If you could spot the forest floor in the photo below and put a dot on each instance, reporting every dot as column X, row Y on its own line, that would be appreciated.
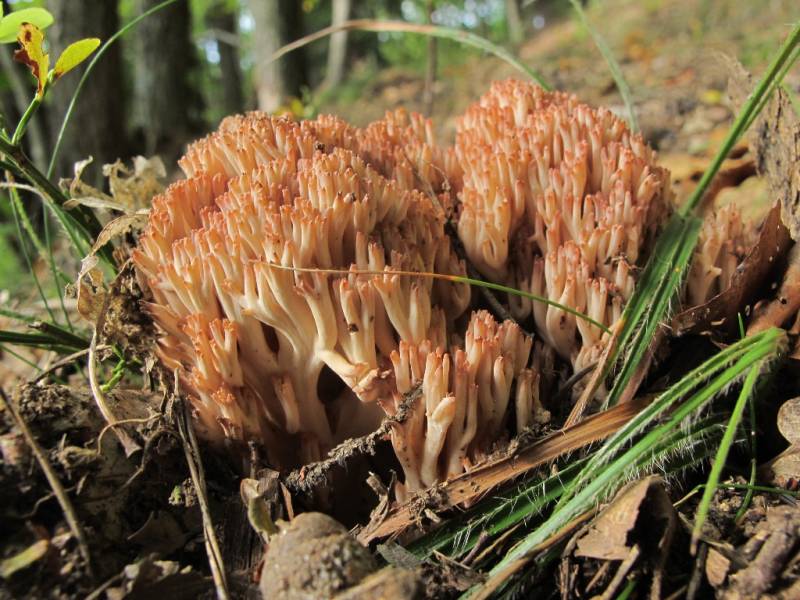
column 142, row 518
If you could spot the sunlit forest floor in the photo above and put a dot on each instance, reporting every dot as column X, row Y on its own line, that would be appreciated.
column 672, row 56
column 668, row 50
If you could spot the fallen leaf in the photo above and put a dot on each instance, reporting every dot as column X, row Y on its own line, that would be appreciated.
column 789, row 420
column 786, row 303
column 609, row 537
column 90, row 282
column 717, row 567
column 131, row 190
column 765, row 571
column 784, row 469
column 24, row 559
column 135, row 189
column 32, row 54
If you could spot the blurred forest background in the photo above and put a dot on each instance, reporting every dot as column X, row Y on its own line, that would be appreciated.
column 173, row 77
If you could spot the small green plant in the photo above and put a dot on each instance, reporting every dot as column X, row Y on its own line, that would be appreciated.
column 79, row 223
column 26, row 27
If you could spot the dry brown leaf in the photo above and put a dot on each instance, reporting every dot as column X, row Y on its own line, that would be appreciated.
column 92, row 296
column 610, row 536
column 784, row 469
column 131, row 190
column 786, row 303
column 717, row 567
column 789, row 420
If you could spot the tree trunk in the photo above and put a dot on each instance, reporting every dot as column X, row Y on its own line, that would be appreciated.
column 337, row 49
column 97, row 127
column 168, row 111
column 514, row 22
column 277, row 22
column 221, row 19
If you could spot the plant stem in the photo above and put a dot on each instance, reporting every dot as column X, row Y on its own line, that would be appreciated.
column 23, row 122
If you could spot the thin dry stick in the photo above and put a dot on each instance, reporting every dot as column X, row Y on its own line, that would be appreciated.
column 458, row 35
column 600, row 372
column 117, row 424
column 622, row 572
column 481, row 479
column 192, row 452
column 64, row 362
column 309, row 477
column 128, row 443
column 52, row 479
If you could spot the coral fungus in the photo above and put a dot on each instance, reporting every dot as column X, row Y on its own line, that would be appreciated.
column 250, row 335
column 559, row 199
column 278, row 271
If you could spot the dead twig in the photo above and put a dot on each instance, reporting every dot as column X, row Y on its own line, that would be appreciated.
column 192, row 452
column 599, row 374
column 307, row 478
column 121, row 422
column 491, row 585
column 128, row 443
column 63, row 363
column 55, row 484
column 622, row 572
column 486, row 477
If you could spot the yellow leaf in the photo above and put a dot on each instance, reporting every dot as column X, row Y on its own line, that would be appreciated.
column 73, row 55
column 31, row 53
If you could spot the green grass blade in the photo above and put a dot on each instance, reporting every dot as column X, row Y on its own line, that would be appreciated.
column 44, row 249
column 19, row 357
column 37, row 340
column 457, row 35
column 656, row 291
column 757, row 351
column 85, row 77
column 661, row 405
column 752, row 434
column 660, row 282
column 26, row 255
column 613, row 65
column 17, row 316
column 529, row 498
column 745, row 395
column 59, row 278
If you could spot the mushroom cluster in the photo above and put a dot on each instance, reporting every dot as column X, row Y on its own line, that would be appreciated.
column 237, row 258
column 559, row 199
column 282, row 271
